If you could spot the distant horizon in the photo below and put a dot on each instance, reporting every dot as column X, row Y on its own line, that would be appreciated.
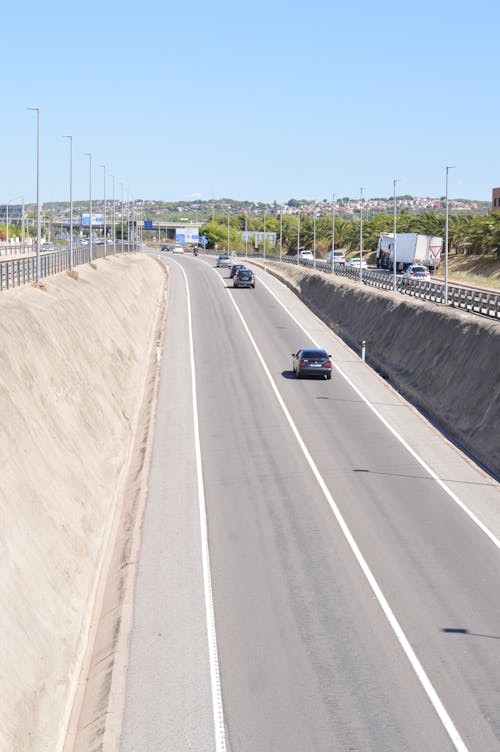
column 209, row 201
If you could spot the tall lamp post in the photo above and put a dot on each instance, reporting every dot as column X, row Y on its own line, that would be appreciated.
column 121, row 213
column 70, row 138
column 264, row 233
column 228, row 234
column 448, row 168
column 298, row 236
column 314, row 237
column 395, row 243
column 113, row 232
column 281, row 232
column 90, row 206
column 105, row 233
column 361, row 238
column 333, row 232
column 38, row 225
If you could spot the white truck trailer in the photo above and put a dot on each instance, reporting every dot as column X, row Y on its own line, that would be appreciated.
column 411, row 248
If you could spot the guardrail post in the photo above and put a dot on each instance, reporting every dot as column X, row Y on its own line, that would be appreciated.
column 363, row 351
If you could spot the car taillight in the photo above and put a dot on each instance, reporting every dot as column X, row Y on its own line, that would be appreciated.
column 302, row 363
column 328, row 364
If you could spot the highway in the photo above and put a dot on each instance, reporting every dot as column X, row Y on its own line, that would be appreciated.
column 345, row 596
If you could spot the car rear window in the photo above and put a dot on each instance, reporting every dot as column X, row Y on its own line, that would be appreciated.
column 309, row 354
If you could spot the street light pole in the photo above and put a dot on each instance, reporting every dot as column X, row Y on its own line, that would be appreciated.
column 38, row 226
column 70, row 138
column 246, row 235
column 90, row 206
column 314, row 237
column 281, row 232
column 361, row 239
column 395, row 243
column 121, row 212
column 448, row 168
column 298, row 235
column 264, row 233
column 333, row 233
column 113, row 234
column 105, row 235
column 228, row 230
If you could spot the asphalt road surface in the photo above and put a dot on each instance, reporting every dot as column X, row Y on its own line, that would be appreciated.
column 353, row 560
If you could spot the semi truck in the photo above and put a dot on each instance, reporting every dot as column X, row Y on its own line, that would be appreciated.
column 411, row 248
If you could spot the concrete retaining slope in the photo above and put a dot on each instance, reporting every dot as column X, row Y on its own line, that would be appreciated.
column 446, row 362
column 73, row 363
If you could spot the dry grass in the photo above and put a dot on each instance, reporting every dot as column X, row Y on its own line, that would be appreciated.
column 481, row 271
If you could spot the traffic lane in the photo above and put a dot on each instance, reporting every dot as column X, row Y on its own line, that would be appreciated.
column 436, row 567
column 168, row 702
column 307, row 660
column 463, row 477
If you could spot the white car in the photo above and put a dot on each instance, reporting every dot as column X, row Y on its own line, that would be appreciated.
column 338, row 257
column 306, row 255
column 357, row 263
column 177, row 249
column 417, row 271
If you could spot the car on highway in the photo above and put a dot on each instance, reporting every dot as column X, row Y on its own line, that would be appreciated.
column 165, row 247
column 305, row 255
column 357, row 263
column 309, row 361
column 417, row 271
column 177, row 249
column 244, row 278
column 224, row 260
column 234, row 269
column 48, row 247
column 339, row 257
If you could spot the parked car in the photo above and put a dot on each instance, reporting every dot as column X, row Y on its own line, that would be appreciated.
column 357, row 263
column 234, row 269
column 339, row 257
column 244, row 278
column 306, row 255
column 177, row 249
column 312, row 361
column 417, row 271
column 224, row 260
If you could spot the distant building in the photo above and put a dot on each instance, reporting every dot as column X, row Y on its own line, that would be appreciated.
column 12, row 212
column 495, row 199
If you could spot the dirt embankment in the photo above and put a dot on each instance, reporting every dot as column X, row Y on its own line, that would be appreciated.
column 73, row 364
column 446, row 362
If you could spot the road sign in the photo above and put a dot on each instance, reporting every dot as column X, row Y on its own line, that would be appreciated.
column 204, row 240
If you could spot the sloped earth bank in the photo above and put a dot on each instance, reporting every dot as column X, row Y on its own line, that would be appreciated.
column 446, row 362
column 76, row 362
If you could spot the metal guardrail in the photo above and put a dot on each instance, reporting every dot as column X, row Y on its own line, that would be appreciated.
column 22, row 270
column 470, row 299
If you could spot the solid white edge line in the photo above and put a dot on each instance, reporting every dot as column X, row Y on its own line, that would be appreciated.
column 218, row 710
column 493, row 538
column 431, row 693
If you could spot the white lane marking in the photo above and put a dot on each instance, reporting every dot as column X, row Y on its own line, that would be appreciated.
column 493, row 538
column 431, row 693
column 218, row 710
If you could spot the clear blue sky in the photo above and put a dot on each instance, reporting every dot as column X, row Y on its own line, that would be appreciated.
column 260, row 101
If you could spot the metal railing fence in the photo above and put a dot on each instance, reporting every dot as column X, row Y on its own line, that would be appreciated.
column 472, row 299
column 22, row 270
